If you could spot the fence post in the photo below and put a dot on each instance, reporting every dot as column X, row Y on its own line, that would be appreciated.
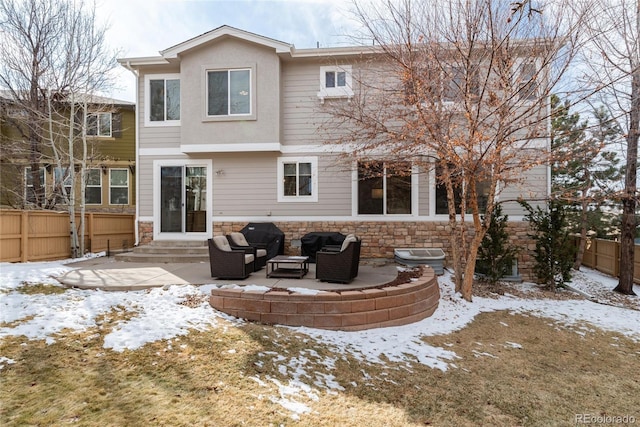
column 24, row 237
column 616, row 267
column 91, row 231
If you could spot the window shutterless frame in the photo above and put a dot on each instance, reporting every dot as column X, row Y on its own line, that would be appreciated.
column 229, row 92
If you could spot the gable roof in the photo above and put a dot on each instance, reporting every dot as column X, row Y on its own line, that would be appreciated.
column 225, row 31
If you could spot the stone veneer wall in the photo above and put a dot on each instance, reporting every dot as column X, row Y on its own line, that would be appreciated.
column 352, row 310
column 379, row 239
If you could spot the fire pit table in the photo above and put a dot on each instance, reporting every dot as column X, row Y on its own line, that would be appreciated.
column 284, row 266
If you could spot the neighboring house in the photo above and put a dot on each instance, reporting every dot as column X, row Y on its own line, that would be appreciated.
column 228, row 134
column 110, row 177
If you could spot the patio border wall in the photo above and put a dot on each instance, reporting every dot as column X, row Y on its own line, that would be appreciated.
column 351, row 310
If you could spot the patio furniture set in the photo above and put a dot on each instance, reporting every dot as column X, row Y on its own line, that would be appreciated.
column 233, row 257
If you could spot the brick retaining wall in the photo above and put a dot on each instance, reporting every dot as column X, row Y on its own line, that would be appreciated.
column 337, row 310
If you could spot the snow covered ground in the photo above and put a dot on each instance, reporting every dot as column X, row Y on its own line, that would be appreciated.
column 159, row 316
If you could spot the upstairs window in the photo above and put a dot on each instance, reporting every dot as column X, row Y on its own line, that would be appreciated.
column 384, row 188
column 99, row 124
column 527, row 84
column 335, row 82
column 298, row 179
column 162, row 100
column 229, row 92
column 458, row 84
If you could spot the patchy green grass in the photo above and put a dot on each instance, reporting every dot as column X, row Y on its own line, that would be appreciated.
column 512, row 370
column 40, row 288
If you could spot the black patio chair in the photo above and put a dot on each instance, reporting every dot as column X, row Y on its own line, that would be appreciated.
column 227, row 263
column 342, row 266
column 258, row 250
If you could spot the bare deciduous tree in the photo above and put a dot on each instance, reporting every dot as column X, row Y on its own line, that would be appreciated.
column 54, row 60
column 614, row 30
column 464, row 90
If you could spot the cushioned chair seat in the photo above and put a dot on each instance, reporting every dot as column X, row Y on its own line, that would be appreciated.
column 238, row 241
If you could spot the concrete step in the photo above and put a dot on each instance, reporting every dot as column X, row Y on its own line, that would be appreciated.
column 162, row 258
column 178, row 243
column 168, row 251
column 150, row 249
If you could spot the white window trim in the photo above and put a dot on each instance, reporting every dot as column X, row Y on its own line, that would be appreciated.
column 95, row 186
column 229, row 115
column 120, row 186
column 147, row 100
column 336, row 92
column 97, row 116
column 415, row 191
column 314, row 179
column 157, row 165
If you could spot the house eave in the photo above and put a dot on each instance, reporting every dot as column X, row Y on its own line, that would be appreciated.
column 225, row 31
column 231, row 148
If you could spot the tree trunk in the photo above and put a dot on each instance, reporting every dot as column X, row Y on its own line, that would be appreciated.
column 627, row 234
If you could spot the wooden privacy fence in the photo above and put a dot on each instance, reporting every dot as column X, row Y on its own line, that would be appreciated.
column 45, row 235
column 604, row 255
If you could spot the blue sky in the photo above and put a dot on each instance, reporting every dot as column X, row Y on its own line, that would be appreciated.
column 144, row 27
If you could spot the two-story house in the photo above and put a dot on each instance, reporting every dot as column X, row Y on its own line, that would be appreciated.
column 228, row 133
column 110, row 175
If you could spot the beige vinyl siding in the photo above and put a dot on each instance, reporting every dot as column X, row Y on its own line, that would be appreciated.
column 424, row 192
column 247, row 186
column 300, row 84
column 155, row 136
column 532, row 189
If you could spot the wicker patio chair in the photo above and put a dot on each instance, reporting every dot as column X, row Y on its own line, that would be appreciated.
column 227, row 263
column 342, row 266
column 238, row 241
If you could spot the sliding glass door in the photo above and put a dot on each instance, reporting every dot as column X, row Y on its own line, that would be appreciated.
column 183, row 199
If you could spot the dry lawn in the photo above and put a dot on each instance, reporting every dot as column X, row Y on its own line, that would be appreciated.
column 513, row 370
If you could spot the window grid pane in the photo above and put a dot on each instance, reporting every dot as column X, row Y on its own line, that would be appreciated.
column 330, row 79
column 105, row 124
column 156, row 100
column 218, row 96
column 342, row 79
column 173, row 99
column 240, row 99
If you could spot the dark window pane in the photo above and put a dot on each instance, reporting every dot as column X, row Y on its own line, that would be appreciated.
column 92, row 124
column 218, row 96
column 398, row 177
column 290, row 186
column 304, row 186
column 93, row 195
column 342, row 79
column 156, row 100
column 330, row 79
column 370, row 189
column 119, row 196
